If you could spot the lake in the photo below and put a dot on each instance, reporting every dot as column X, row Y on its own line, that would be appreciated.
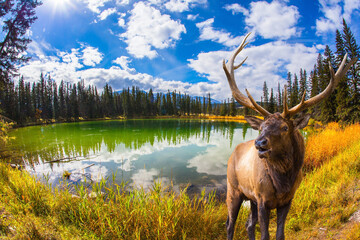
column 140, row 152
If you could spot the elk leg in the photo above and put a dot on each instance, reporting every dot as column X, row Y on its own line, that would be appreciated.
column 281, row 217
column 264, row 215
column 252, row 220
column 233, row 201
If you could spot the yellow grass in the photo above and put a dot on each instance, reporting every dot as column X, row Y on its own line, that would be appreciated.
column 333, row 139
column 327, row 197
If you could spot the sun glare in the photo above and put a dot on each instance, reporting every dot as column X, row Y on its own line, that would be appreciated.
column 60, row 5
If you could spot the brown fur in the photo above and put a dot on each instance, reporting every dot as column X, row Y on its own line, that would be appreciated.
column 269, row 181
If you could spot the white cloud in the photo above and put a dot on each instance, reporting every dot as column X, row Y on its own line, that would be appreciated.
column 192, row 17
column 145, row 179
column 182, row 5
column 212, row 161
column 122, row 2
column 269, row 62
column 264, row 63
column 177, row 5
column 124, row 61
column 349, row 7
column 104, row 14
column 91, row 56
column 270, row 20
column 37, row 48
column 157, row 2
column 95, row 5
column 69, row 66
column 207, row 32
column 79, row 170
column 334, row 11
column 236, row 8
column 121, row 20
column 148, row 30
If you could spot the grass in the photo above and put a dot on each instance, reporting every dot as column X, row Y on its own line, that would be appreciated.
column 324, row 145
column 327, row 197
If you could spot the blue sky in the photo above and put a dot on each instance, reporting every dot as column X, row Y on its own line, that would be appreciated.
column 179, row 44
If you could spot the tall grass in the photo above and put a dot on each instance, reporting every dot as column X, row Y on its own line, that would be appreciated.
column 109, row 212
column 327, row 197
column 322, row 146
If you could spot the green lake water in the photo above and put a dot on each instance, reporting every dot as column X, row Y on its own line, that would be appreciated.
column 139, row 151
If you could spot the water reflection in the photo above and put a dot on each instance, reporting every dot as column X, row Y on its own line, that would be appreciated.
column 140, row 151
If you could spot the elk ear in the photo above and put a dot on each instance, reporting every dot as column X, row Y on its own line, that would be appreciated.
column 254, row 122
column 301, row 122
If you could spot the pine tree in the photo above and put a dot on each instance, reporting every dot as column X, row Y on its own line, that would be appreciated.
column 232, row 107
column 342, row 98
column 303, row 83
column 265, row 95
column 56, row 101
column 294, row 94
column 353, row 50
column 22, row 100
column 73, row 102
column 328, row 107
column 289, row 87
column 17, row 17
column 223, row 109
column 272, row 102
column 209, row 107
column 62, row 101
column 49, row 99
column 151, row 101
column 174, row 103
column 279, row 98
column 28, row 101
column 204, row 105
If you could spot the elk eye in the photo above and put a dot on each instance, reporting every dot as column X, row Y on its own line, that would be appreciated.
column 285, row 129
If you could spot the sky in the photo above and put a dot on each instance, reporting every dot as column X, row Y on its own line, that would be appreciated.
column 180, row 44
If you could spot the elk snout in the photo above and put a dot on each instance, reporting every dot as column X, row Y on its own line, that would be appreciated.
column 263, row 146
column 261, row 143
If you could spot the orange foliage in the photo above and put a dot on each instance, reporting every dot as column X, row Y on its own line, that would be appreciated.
column 332, row 140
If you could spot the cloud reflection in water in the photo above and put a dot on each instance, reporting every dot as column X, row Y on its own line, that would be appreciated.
column 141, row 151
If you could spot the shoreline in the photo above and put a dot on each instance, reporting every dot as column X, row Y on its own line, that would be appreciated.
column 238, row 118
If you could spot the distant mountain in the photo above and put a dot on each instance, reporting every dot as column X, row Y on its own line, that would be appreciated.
column 213, row 101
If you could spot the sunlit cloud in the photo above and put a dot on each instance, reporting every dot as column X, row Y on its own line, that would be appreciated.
column 333, row 12
column 207, row 32
column 269, row 20
column 104, row 14
column 148, row 30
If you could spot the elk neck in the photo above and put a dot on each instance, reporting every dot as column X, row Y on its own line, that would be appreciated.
column 284, row 168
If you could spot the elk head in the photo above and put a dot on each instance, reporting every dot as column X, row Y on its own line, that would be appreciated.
column 277, row 129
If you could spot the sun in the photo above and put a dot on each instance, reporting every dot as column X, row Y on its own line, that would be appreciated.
column 60, row 5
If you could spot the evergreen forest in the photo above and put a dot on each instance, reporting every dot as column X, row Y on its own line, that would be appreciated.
column 24, row 102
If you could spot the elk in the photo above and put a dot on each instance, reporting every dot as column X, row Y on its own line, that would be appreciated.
column 268, row 170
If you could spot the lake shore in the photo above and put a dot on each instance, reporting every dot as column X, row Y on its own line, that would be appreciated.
column 237, row 118
column 33, row 210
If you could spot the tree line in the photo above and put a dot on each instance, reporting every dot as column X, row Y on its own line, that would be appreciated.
column 26, row 102
column 344, row 103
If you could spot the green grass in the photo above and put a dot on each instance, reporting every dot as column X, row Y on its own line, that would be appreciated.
column 327, row 197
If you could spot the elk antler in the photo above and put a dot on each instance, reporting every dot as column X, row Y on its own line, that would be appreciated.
column 229, row 71
column 334, row 80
